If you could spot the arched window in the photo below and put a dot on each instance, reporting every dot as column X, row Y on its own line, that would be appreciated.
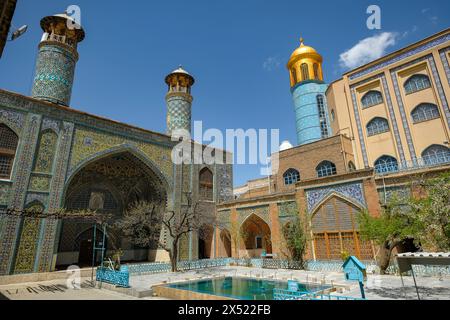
column 333, row 116
column 316, row 71
column 8, row 147
column 291, row 176
column 206, row 179
column 322, row 116
column 416, row 83
column 376, row 126
column 371, row 98
column 305, row 71
column 425, row 112
column 436, row 154
column 325, row 169
column 386, row 164
column 351, row 166
column 294, row 75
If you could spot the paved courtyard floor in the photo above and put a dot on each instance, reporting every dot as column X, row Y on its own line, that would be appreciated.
column 59, row 290
column 376, row 288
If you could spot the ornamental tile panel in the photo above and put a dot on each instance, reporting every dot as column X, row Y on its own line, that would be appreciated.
column 4, row 193
column 13, row 119
column 46, row 152
column 55, row 69
column 40, row 183
column 28, row 244
column 444, row 58
column 353, row 192
column 260, row 211
column 287, row 209
column 160, row 155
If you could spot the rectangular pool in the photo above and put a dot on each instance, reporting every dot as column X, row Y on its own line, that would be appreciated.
column 241, row 288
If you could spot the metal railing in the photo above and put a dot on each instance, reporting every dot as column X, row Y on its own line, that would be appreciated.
column 310, row 265
column 283, row 294
column 435, row 160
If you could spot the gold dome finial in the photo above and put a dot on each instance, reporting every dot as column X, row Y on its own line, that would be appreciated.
column 305, row 64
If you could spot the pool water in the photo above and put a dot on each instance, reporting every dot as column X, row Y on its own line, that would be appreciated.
column 241, row 288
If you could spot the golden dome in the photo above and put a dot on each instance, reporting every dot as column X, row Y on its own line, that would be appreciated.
column 304, row 52
column 305, row 64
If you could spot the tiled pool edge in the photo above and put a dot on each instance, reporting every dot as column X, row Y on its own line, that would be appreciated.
column 179, row 294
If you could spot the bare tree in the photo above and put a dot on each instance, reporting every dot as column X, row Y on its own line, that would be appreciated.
column 143, row 222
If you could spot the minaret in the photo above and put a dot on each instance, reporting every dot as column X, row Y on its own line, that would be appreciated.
column 57, row 57
column 308, row 92
column 179, row 100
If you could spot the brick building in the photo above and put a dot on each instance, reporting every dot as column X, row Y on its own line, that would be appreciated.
column 359, row 139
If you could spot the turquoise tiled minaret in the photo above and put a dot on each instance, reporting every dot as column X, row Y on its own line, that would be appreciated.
column 179, row 100
column 57, row 57
column 308, row 92
column 311, row 123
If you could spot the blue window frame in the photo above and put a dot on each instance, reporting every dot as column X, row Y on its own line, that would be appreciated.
column 386, row 164
column 377, row 126
column 291, row 176
column 372, row 98
column 436, row 154
column 322, row 116
column 325, row 169
column 425, row 112
column 416, row 83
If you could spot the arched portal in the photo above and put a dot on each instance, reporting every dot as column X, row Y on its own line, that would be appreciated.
column 108, row 185
column 335, row 231
column 205, row 242
column 256, row 237
column 225, row 244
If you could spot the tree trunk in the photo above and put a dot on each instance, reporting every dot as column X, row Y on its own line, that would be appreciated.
column 385, row 257
column 174, row 257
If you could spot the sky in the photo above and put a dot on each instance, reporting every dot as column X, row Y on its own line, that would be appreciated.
column 236, row 50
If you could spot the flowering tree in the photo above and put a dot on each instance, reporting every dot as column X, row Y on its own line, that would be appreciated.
column 433, row 212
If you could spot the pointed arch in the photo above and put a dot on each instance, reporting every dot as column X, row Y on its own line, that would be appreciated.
column 165, row 181
column 206, row 184
column 334, row 226
column 339, row 196
column 256, row 236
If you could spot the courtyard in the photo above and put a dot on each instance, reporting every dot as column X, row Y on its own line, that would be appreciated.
column 377, row 287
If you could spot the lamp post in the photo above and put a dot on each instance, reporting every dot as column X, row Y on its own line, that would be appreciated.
column 19, row 32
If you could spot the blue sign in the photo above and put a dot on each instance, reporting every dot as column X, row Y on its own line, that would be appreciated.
column 354, row 270
column 293, row 285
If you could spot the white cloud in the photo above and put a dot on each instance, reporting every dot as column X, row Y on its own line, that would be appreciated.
column 271, row 63
column 434, row 19
column 368, row 49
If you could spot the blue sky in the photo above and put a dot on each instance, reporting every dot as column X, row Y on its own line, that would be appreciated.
column 237, row 51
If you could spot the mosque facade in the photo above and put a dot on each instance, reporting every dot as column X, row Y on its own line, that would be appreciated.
column 360, row 139
column 55, row 157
